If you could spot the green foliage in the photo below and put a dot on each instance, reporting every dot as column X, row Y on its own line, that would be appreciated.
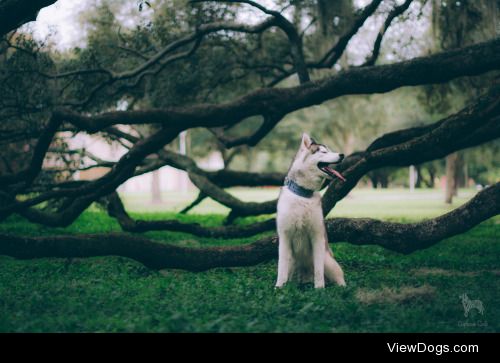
column 483, row 163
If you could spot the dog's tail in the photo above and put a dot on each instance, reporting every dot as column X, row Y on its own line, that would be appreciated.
column 333, row 271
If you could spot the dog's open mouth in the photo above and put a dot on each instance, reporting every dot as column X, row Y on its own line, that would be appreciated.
column 327, row 169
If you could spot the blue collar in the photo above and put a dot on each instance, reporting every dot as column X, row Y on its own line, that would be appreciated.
column 297, row 189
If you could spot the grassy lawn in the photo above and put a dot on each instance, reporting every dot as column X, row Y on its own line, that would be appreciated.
column 385, row 204
column 386, row 291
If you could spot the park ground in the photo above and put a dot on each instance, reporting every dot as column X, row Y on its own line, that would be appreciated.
column 386, row 291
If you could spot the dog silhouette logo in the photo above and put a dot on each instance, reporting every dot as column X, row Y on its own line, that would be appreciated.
column 469, row 305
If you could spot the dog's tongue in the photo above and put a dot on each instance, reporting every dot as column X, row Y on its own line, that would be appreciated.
column 337, row 174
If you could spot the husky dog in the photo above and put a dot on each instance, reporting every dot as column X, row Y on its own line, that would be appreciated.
column 304, row 253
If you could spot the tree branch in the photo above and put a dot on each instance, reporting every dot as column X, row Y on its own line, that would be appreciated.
column 399, row 237
column 407, row 238
column 397, row 11
column 117, row 210
column 333, row 54
column 475, row 124
column 200, row 198
column 294, row 39
column 437, row 68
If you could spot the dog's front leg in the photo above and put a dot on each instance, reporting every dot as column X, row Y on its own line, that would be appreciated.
column 284, row 260
column 318, row 248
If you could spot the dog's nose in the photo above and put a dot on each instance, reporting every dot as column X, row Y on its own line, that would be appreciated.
column 341, row 156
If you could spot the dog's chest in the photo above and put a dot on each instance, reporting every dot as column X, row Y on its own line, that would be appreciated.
column 299, row 215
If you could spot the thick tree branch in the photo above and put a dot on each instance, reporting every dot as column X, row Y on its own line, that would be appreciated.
column 82, row 196
column 474, row 125
column 252, row 139
column 238, row 207
column 442, row 67
column 407, row 238
column 223, row 178
column 117, row 210
column 29, row 174
column 399, row 237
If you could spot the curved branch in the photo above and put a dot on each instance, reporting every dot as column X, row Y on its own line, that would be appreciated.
column 295, row 40
column 152, row 254
column 27, row 175
column 442, row 67
column 117, row 210
column 399, row 237
column 222, row 178
column 252, row 139
column 475, row 124
column 397, row 11
column 331, row 56
column 407, row 238
column 238, row 207
column 200, row 198
column 83, row 195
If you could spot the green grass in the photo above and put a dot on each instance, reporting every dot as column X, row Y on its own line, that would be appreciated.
column 386, row 291
column 388, row 203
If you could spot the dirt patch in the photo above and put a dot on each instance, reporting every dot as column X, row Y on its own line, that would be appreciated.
column 442, row 272
column 395, row 295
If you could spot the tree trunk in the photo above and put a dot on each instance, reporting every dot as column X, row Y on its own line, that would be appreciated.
column 334, row 18
column 418, row 172
column 155, row 187
column 451, row 171
column 432, row 175
column 384, row 181
column 460, row 175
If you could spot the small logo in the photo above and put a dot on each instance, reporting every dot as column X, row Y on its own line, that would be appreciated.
column 469, row 305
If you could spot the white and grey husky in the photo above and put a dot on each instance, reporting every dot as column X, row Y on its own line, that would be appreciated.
column 304, row 253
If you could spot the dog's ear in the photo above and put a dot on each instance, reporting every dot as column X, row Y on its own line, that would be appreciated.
column 306, row 141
